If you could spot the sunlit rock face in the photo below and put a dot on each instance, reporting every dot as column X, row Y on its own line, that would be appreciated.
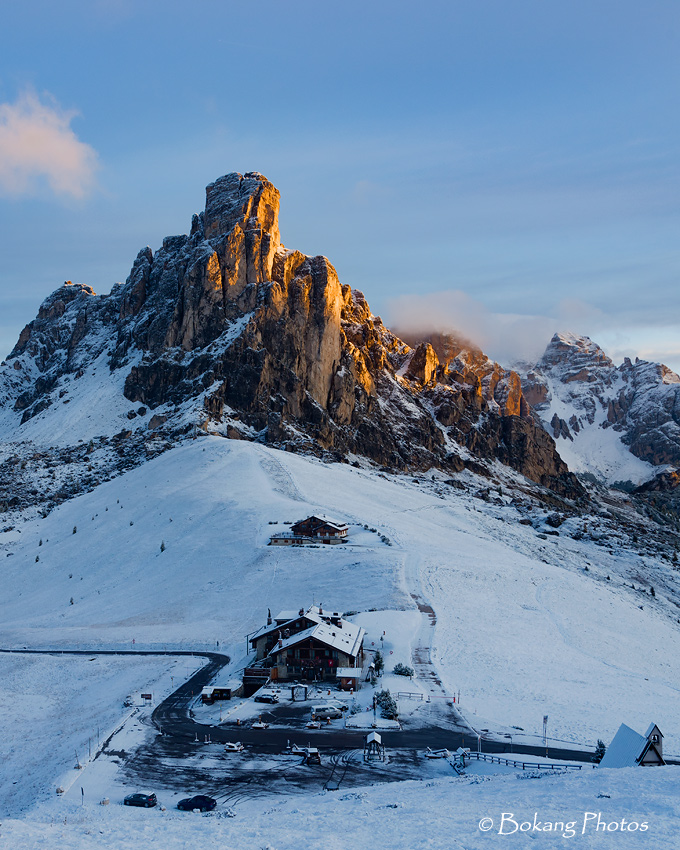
column 268, row 344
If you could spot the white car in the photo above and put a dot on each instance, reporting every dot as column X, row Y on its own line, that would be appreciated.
column 258, row 724
column 231, row 747
column 313, row 724
column 321, row 712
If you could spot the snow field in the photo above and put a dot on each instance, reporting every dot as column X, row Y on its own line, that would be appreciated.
column 56, row 706
column 437, row 814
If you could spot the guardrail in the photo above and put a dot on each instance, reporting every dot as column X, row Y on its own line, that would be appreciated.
column 525, row 765
column 409, row 695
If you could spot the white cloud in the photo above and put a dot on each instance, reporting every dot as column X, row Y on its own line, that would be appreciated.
column 511, row 337
column 37, row 144
column 505, row 337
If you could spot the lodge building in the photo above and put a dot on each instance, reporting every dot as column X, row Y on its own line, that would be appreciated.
column 308, row 645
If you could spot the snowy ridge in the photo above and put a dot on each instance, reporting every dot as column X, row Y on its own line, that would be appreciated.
column 618, row 423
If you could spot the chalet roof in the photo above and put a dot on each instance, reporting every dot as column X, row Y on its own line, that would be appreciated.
column 349, row 672
column 652, row 727
column 627, row 748
column 286, row 616
column 335, row 523
column 347, row 639
column 283, row 618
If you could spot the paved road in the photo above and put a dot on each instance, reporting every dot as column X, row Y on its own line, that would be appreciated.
column 179, row 729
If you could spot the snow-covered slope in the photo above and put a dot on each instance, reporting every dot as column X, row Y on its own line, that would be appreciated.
column 523, row 629
column 618, row 423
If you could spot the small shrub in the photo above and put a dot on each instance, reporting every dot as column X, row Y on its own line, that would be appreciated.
column 37, row 558
column 378, row 662
column 162, row 545
column 600, row 750
column 387, row 704
column 403, row 670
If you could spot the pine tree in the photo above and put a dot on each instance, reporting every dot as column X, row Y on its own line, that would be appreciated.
column 378, row 662
column 600, row 750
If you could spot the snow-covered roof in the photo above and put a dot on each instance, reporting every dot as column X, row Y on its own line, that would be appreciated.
column 346, row 639
column 283, row 618
column 651, row 728
column 349, row 672
column 626, row 748
column 336, row 523
column 286, row 616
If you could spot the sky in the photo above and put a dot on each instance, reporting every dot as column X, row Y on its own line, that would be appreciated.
column 503, row 169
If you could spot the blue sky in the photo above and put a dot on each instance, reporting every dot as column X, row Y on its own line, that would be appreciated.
column 504, row 168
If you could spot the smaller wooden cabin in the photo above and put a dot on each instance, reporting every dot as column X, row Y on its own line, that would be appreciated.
column 321, row 528
column 313, row 529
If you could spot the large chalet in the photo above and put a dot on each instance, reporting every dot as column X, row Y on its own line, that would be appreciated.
column 308, row 645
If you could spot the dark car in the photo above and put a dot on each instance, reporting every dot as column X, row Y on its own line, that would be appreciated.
column 201, row 802
column 271, row 698
column 145, row 800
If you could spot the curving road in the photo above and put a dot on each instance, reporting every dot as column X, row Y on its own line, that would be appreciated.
column 180, row 733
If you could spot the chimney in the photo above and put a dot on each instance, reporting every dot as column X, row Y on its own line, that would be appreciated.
column 269, row 616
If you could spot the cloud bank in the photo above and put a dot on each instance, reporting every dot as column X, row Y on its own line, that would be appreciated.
column 512, row 337
column 37, row 145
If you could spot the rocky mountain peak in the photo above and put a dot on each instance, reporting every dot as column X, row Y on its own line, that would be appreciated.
column 615, row 414
column 227, row 329
column 575, row 358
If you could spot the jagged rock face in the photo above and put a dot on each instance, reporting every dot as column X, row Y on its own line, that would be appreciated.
column 576, row 388
column 276, row 347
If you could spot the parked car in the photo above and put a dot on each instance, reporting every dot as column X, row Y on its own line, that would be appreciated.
column 258, row 724
column 270, row 698
column 145, row 800
column 201, row 802
column 233, row 747
column 321, row 712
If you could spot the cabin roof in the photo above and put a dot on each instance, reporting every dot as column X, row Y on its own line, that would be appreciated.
column 627, row 748
column 322, row 518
